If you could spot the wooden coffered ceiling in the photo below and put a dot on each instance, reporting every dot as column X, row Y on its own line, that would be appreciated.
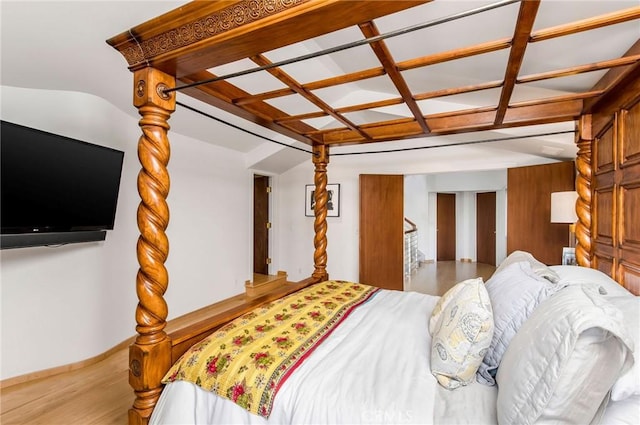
column 392, row 70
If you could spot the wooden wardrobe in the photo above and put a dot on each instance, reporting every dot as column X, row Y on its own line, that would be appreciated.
column 616, row 189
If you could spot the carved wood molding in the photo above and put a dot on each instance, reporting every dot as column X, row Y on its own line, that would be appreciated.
column 233, row 16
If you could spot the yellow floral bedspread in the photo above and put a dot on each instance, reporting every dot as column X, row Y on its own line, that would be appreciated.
column 248, row 359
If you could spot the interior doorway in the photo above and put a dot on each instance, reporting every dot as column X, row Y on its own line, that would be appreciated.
column 382, row 231
column 446, row 226
column 486, row 228
column 261, row 224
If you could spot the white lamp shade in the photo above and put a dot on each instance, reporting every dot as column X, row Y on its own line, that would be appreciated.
column 563, row 207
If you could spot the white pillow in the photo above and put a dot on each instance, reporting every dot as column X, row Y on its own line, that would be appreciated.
column 577, row 275
column 515, row 292
column 538, row 267
column 562, row 363
column 461, row 326
column 629, row 383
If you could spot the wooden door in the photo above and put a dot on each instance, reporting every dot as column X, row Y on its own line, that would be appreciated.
column 486, row 228
column 446, row 226
column 260, row 224
column 382, row 231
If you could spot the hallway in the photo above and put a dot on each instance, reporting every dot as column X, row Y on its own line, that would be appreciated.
column 437, row 277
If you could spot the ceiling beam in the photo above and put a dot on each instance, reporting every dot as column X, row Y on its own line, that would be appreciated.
column 316, row 85
column 461, row 53
column 384, row 56
column 481, row 119
column 297, row 87
column 614, row 77
column 612, row 18
column 580, row 69
column 219, row 93
column 524, row 26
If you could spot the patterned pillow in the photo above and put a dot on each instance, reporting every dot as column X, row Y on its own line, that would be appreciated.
column 461, row 326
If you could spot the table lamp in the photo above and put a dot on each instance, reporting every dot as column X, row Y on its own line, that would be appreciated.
column 563, row 210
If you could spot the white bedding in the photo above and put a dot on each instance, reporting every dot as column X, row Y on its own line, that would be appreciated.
column 380, row 357
column 379, row 354
column 623, row 412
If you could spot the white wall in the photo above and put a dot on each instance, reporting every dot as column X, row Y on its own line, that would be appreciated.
column 66, row 304
column 465, row 184
column 416, row 207
column 295, row 249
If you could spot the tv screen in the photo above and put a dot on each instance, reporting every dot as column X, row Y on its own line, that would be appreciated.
column 52, row 183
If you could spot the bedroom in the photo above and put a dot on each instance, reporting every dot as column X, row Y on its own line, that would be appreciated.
column 25, row 275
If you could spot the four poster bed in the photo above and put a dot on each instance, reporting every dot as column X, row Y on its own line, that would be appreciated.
column 342, row 321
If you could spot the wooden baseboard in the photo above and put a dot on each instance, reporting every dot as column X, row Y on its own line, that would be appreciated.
column 46, row 373
column 466, row 260
column 172, row 325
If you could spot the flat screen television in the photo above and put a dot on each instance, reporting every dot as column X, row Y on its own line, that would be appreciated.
column 54, row 189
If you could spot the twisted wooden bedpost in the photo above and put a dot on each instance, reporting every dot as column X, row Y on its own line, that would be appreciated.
column 150, row 355
column 320, row 160
column 583, row 187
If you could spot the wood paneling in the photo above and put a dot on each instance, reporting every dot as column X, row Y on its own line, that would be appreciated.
column 603, row 210
column 605, row 152
column 630, row 214
column 616, row 202
column 529, row 226
column 382, row 231
column 629, row 202
column 630, row 277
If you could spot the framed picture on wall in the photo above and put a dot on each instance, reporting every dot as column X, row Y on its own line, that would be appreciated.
column 568, row 256
column 333, row 203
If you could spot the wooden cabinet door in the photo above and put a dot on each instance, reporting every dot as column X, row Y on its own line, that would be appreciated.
column 382, row 230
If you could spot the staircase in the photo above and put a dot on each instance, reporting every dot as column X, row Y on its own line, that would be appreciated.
column 410, row 247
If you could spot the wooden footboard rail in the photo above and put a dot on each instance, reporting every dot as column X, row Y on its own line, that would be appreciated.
column 219, row 314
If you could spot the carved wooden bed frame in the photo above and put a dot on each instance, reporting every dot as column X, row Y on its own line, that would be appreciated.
column 179, row 46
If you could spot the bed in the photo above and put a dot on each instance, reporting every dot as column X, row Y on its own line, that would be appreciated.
column 176, row 51
column 378, row 365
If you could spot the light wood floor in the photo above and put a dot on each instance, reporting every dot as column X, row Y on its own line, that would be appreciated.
column 436, row 278
column 100, row 393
